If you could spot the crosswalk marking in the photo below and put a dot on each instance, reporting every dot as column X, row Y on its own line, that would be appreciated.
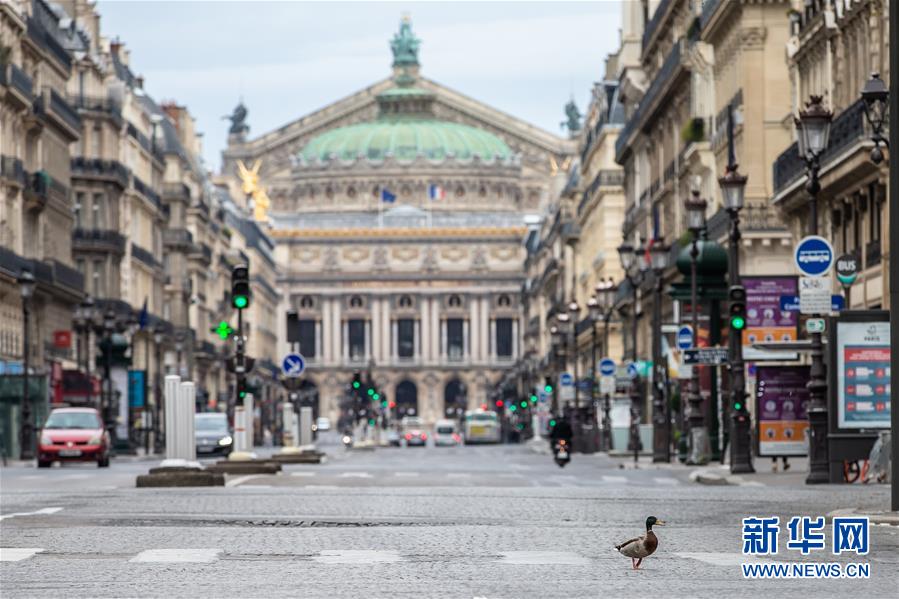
column 304, row 473
column 538, row 558
column 326, row 487
column 666, row 480
column 42, row 511
column 614, row 480
column 357, row 556
column 168, row 556
column 458, row 475
column 17, row 554
column 355, row 475
column 406, row 474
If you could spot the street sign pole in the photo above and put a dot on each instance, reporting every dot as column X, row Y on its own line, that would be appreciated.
column 894, row 264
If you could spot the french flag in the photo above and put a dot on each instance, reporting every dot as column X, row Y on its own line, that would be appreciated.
column 435, row 192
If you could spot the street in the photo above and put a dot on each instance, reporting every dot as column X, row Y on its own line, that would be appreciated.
column 497, row 521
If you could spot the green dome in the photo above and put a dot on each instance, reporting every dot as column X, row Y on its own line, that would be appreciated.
column 406, row 139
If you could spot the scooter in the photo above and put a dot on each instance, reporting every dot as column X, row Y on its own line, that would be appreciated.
column 347, row 441
column 561, row 451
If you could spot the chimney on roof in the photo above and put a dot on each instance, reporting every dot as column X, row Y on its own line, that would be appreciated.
column 114, row 47
column 139, row 82
column 174, row 113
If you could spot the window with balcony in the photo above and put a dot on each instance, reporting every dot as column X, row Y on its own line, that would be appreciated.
column 307, row 337
column 504, row 337
column 356, row 335
column 78, row 208
column 98, row 211
column 98, row 279
column 405, row 332
column 455, row 338
column 97, row 141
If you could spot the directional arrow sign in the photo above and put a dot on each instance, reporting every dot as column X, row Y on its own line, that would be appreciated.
column 706, row 355
column 293, row 365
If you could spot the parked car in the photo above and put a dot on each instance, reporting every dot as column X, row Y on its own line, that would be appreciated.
column 73, row 434
column 393, row 437
column 322, row 424
column 212, row 435
column 413, row 430
column 446, row 432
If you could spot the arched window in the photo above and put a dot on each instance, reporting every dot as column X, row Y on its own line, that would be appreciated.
column 504, row 301
column 355, row 302
column 454, row 301
column 405, row 301
column 306, row 302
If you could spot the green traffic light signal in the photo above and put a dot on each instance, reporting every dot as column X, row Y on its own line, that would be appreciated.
column 242, row 394
column 738, row 323
column 738, row 406
column 552, row 422
column 356, row 384
column 524, row 404
column 224, row 330
column 533, row 399
column 548, row 388
column 371, row 391
column 240, row 301
column 384, row 404
column 513, row 407
column 375, row 396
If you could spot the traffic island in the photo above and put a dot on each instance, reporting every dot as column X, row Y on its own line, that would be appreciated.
column 251, row 466
column 180, row 476
column 299, row 455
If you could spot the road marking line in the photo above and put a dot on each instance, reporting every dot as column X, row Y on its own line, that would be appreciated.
column 355, row 475
column 199, row 556
column 614, row 480
column 240, row 479
column 254, row 487
column 17, row 554
column 666, row 480
column 73, row 477
column 42, row 511
column 407, row 474
column 303, row 473
column 539, row 558
column 458, row 475
column 357, row 556
column 329, row 487
column 511, row 475
column 718, row 559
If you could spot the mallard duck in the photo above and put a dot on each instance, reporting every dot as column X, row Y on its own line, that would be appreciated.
column 641, row 547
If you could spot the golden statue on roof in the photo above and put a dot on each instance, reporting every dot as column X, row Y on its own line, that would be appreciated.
column 253, row 188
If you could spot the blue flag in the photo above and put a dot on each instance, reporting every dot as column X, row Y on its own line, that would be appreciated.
column 386, row 196
column 144, row 315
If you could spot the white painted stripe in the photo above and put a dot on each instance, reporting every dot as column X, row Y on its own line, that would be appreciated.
column 614, row 480
column 17, row 554
column 511, row 475
column 46, row 510
column 329, row 487
column 458, row 475
column 237, row 480
column 538, row 558
column 357, row 556
column 304, row 473
column 666, row 480
column 254, row 487
column 73, row 477
column 718, row 559
column 355, row 475
column 199, row 556
column 406, row 474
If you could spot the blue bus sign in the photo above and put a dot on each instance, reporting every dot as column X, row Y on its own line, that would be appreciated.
column 607, row 367
column 813, row 256
column 685, row 337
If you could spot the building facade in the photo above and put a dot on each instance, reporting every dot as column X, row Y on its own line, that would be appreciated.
column 398, row 215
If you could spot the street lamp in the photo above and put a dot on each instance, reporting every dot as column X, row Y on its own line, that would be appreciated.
column 606, row 292
column 573, row 312
column 813, row 131
column 556, row 343
column 661, row 438
column 876, row 95
column 634, row 272
column 109, row 326
column 158, row 339
column 26, row 288
column 733, row 189
column 699, row 434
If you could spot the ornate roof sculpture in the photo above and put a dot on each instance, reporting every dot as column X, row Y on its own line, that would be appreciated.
column 406, row 128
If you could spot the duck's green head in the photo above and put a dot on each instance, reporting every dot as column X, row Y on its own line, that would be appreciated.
column 653, row 521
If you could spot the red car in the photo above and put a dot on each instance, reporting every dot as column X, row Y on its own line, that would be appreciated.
column 73, row 434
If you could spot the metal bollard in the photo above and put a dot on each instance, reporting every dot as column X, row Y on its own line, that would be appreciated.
column 188, row 407
column 239, row 430
column 287, row 420
column 305, row 426
column 249, row 423
column 172, row 384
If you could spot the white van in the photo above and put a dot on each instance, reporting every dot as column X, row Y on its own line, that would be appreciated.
column 446, row 432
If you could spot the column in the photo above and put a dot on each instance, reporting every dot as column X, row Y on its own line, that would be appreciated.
column 368, row 344
column 471, row 330
column 416, row 339
column 423, row 351
column 491, row 341
column 393, row 340
column 326, row 331
column 435, row 329
column 484, row 326
column 443, row 350
column 385, row 329
column 466, row 338
column 344, row 340
column 515, row 340
column 319, row 350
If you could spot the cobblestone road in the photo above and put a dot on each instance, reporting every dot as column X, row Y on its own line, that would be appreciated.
column 409, row 522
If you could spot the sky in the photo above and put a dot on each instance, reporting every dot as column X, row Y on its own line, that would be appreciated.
column 287, row 59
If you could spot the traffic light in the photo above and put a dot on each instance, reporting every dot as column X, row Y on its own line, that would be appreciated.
column 548, row 384
column 737, row 299
column 533, row 398
column 240, row 286
column 357, row 381
column 241, row 387
column 293, row 326
column 499, row 403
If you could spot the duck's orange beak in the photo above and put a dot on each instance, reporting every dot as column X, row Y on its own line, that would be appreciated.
column 659, row 523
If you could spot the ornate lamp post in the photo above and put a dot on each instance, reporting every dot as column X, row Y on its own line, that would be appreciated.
column 876, row 95
column 813, row 132
column 661, row 446
column 733, row 188
column 699, row 433
column 556, row 351
column 877, row 98
column 594, row 311
column 606, row 291
column 634, row 270
column 573, row 312
column 158, row 339
column 26, row 288
column 562, row 322
column 109, row 327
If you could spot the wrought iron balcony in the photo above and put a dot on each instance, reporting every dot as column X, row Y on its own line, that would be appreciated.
column 98, row 239
column 177, row 237
column 848, row 127
column 147, row 192
column 107, row 106
column 604, row 178
column 144, row 256
column 15, row 78
column 656, row 20
column 11, row 169
column 176, row 191
column 51, row 104
column 872, row 253
column 39, row 31
column 96, row 168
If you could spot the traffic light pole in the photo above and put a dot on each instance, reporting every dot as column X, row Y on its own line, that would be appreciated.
column 740, row 439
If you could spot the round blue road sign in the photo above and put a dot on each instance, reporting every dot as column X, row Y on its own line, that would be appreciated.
column 293, row 365
column 607, row 367
column 813, row 256
column 685, row 337
column 632, row 370
column 566, row 379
